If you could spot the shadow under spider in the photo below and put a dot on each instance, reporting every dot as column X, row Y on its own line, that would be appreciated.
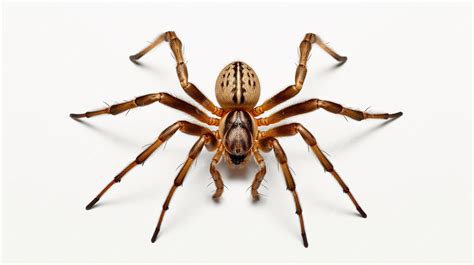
column 356, row 139
column 148, row 67
column 108, row 134
column 244, row 173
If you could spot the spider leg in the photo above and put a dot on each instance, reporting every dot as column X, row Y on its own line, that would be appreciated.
column 195, row 150
column 291, row 91
column 181, row 69
column 295, row 128
column 183, row 126
column 272, row 143
column 257, row 181
column 314, row 104
column 163, row 98
column 216, row 176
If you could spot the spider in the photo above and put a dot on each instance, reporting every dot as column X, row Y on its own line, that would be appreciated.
column 238, row 136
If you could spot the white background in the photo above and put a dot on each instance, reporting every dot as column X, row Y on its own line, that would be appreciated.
column 412, row 176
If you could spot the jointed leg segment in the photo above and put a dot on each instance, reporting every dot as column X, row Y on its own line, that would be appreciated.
column 216, row 176
column 294, row 128
column 184, row 126
column 272, row 143
column 260, row 174
column 291, row 91
column 195, row 150
column 163, row 98
column 181, row 69
column 314, row 104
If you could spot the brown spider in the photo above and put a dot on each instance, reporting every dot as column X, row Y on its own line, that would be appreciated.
column 238, row 136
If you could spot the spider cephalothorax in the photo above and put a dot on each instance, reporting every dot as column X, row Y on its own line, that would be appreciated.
column 238, row 136
column 239, row 132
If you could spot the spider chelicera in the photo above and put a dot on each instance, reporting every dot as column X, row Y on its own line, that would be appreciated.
column 237, row 137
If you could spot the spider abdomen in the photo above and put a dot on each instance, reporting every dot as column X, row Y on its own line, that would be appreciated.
column 237, row 87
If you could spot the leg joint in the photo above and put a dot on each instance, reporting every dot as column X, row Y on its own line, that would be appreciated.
column 148, row 99
column 168, row 132
column 305, row 134
column 354, row 114
column 300, row 76
column 328, row 166
column 330, row 106
column 170, row 35
column 281, row 156
column 311, row 37
column 178, row 182
column 263, row 122
column 257, row 111
column 296, row 88
column 345, row 189
column 182, row 71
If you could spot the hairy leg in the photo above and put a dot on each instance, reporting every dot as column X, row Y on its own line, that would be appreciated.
column 195, row 150
column 216, row 176
column 257, row 181
column 181, row 69
column 292, row 90
column 272, row 143
column 295, row 128
column 163, row 98
column 183, row 126
column 314, row 104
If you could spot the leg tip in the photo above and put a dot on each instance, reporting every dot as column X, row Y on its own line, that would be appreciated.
column 343, row 60
column 256, row 198
column 216, row 195
column 76, row 116
column 134, row 59
column 362, row 213
column 305, row 240
column 255, row 195
column 396, row 115
column 92, row 203
column 155, row 235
